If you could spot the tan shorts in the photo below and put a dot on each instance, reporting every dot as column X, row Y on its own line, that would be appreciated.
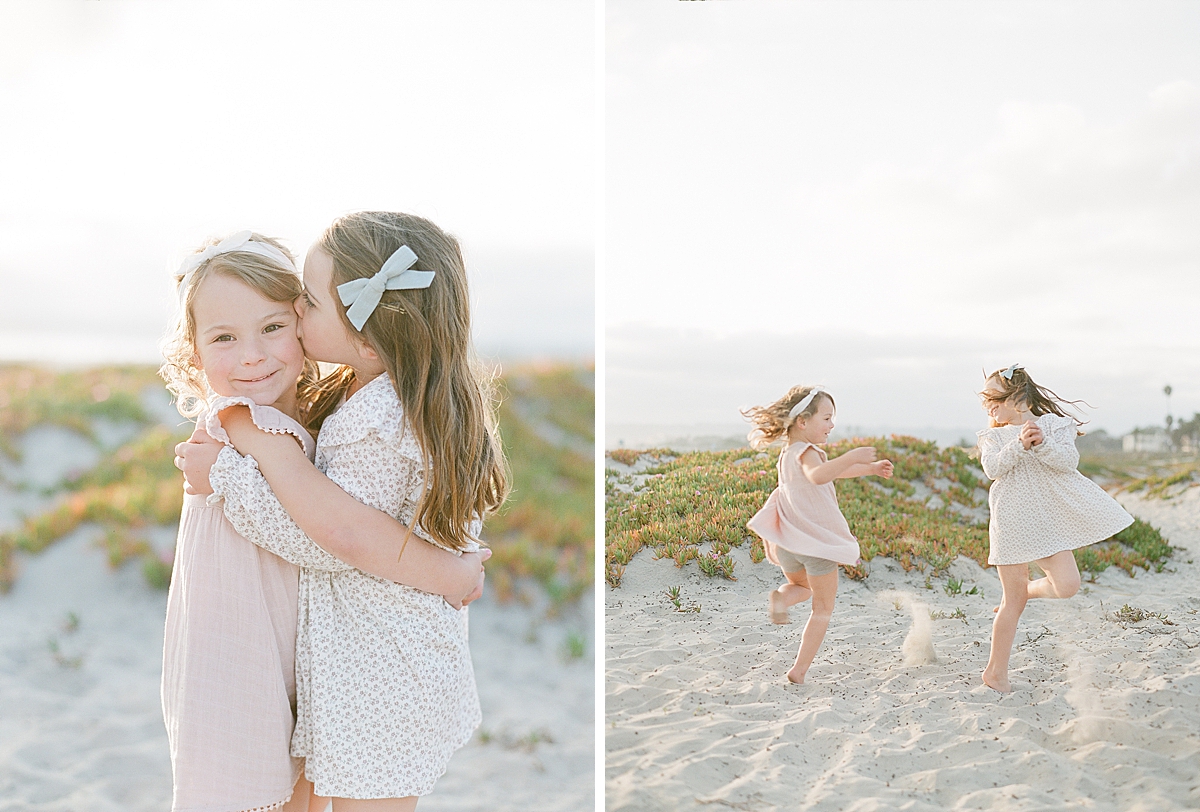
column 794, row 562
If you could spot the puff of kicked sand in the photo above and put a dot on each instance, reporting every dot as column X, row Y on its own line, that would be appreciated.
column 698, row 714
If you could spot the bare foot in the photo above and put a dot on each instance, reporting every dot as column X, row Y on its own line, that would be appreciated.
column 779, row 612
column 995, row 609
column 795, row 677
column 995, row 683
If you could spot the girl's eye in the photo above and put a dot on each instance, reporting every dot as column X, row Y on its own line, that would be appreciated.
column 308, row 300
column 224, row 337
column 270, row 328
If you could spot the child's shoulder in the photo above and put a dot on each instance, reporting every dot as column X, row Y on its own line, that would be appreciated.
column 800, row 448
column 267, row 418
column 374, row 409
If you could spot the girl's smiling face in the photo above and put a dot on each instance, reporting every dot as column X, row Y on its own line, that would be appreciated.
column 815, row 429
column 246, row 344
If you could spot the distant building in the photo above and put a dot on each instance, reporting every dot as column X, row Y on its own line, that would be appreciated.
column 1152, row 439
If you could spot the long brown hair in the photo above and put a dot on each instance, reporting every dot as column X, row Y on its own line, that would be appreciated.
column 1021, row 387
column 772, row 422
column 275, row 282
column 423, row 338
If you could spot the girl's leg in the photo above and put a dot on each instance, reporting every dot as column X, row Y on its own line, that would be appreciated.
column 301, row 794
column 824, row 591
column 1062, row 577
column 319, row 803
column 1014, row 580
column 375, row 805
column 795, row 591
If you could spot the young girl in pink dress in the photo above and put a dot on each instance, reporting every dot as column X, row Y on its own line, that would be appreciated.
column 803, row 531
column 228, row 687
column 385, row 688
column 1042, row 508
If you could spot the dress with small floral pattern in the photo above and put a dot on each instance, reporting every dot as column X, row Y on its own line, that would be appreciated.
column 1040, row 503
column 385, row 691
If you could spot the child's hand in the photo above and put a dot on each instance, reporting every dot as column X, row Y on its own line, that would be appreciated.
column 1031, row 435
column 476, row 592
column 863, row 455
column 883, row 468
column 195, row 458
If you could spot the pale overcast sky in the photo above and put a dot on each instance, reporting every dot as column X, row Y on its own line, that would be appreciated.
column 133, row 130
column 888, row 197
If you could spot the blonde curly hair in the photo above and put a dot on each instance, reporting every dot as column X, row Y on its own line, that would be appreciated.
column 772, row 422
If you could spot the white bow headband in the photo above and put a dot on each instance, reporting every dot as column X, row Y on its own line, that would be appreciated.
column 242, row 242
column 1007, row 374
column 803, row 404
column 361, row 296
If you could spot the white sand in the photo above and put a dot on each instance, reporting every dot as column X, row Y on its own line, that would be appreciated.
column 1102, row 716
column 82, row 729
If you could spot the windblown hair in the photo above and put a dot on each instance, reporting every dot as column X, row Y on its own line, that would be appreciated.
column 275, row 282
column 423, row 338
column 1021, row 387
column 772, row 422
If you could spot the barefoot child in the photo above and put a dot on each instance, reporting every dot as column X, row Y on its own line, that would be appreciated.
column 385, row 687
column 228, row 683
column 1041, row 507
column 803, row 531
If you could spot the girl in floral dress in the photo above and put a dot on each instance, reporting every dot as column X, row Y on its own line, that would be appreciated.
column 385, row 687
column 1042, row 508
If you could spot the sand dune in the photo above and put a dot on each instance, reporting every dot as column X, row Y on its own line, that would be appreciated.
column 1104, row 715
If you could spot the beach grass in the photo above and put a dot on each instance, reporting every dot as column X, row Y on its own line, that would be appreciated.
column 544, row 533
column 932, row 511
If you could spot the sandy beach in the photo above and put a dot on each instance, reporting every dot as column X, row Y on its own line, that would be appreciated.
column 1104, row 715
column 81, row 656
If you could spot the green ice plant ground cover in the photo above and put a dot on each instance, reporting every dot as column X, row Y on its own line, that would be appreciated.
column 933, row 510
column 543, row 535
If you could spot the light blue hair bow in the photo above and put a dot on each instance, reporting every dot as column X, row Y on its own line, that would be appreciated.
column 1007, row 374
column 361, row 296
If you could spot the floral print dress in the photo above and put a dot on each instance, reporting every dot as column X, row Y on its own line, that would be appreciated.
column 1040, row 504
column 385, row 691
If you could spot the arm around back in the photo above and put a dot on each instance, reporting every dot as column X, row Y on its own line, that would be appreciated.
column 358, row 534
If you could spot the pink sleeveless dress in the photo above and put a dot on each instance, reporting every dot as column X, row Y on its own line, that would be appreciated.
column 804, row 518
column 229, row 677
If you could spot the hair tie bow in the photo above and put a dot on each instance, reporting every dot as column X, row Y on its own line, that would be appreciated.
column 243, row 242
column 803, row 404
column 1007, row 374
column 361, row 296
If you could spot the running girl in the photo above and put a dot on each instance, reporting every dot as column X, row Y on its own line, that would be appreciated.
column 803, row 531
column 1042, row 508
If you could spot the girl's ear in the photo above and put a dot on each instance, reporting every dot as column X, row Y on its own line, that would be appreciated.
column 366, row 351
column 196, row 362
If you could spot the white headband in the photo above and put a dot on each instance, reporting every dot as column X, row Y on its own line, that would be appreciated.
column 803, row 404
column 243, row 242
column 361, row 296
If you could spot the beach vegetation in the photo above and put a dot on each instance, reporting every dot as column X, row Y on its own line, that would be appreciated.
column 933, row 510
column 543, row 535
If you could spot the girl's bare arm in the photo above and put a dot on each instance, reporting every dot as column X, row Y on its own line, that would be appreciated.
column 819, row 473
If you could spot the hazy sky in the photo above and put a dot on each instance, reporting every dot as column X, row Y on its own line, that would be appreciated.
column 889, row 197
column 133, row 130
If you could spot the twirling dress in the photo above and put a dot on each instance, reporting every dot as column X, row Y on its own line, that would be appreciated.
column 802, row 517
column 1040, row 504
column 385, row 688
column 228, row 681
